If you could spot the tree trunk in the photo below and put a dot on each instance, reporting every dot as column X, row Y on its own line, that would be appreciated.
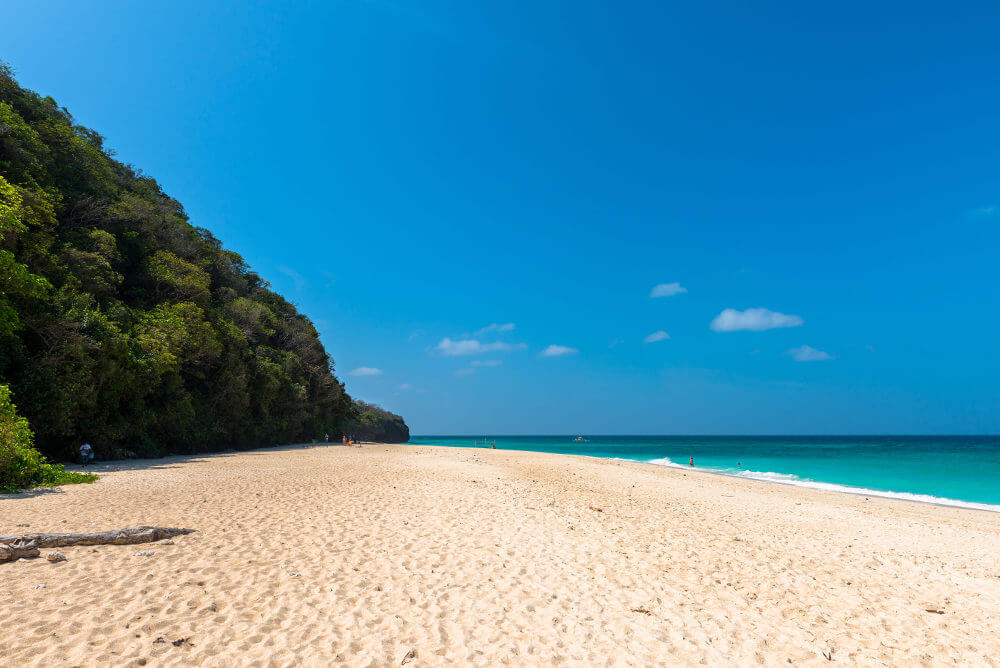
column 13, row 548
column 17, row 549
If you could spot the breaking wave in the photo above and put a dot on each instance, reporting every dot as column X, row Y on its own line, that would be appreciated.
column 789, row 479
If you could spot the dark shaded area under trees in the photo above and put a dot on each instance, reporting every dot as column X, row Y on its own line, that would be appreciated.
column 124, row 325
column 371, row 423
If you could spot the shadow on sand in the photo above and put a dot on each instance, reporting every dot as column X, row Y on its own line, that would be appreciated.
column 173, row 461
column 168, row 462
column 30, row 493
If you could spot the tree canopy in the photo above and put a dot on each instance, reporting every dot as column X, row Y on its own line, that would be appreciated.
column 372, row 423
column 123, row 324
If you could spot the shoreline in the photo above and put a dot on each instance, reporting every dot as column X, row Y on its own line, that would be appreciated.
column 801, row 483
column 837, row 488
column 787, row 479
column 434, row 554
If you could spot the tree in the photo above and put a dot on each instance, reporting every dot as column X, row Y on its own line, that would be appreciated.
column 124, row 325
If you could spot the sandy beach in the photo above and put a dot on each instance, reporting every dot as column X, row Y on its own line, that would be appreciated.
column 385, row 555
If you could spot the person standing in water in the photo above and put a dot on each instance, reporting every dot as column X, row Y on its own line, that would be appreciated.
column 691, row 461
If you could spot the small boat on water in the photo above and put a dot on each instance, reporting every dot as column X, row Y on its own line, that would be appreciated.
column 580, row 439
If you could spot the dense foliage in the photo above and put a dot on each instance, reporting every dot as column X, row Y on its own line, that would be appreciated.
column 371, row 423
column 124, row 325
column 21, row 465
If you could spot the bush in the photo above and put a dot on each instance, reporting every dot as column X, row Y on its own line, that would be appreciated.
column 22, row 466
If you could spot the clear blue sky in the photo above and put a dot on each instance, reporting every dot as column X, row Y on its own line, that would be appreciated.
column 410, row 173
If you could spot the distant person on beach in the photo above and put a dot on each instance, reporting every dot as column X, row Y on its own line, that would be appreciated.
column 326, row 438
column 86, row 453
column 739, row 465
column 691, row 461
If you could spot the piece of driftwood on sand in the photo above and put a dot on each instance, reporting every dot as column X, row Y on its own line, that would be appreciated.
column 27, row 545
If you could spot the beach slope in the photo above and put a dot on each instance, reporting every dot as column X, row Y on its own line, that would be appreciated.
column 386, row 555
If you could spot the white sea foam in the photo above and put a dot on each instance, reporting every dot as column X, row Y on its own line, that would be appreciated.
column 789, row 479
column 666, row 461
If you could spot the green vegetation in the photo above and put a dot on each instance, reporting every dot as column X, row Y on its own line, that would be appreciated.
column 124, row 325
column 371, row 423
column 21, row 466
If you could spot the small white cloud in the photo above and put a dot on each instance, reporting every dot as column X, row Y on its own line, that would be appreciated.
column 297, row 278
column 404, row 387
column 485, row 363
column 465, row 372
column 658, row 335
column 506, row 327
column 667, row 290
column 753, row 319
column 985, row 211
column 809, row 354
column 362, row 371
column 616, row 342
column 451, row 347
column 557, row 351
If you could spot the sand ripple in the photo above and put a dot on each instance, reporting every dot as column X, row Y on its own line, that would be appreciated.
column 388, row 555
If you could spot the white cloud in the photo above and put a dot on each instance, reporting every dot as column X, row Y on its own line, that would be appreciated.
column 557, row 351
column 297, row 278
column 753, row 319
column 362, row 371
column 506, row 327
column 486, row 363
column 667, row 290
column 985, row 211
column 404, row 386
column 658, row 335
column 809, row 354
column 450, row 347
column 465, row 372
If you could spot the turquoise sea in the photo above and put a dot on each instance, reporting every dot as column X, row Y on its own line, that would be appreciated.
column 951, row 470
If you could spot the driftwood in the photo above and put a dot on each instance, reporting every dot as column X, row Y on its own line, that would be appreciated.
column 18, row 547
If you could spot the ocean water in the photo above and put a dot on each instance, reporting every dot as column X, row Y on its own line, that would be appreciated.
column 950, row 470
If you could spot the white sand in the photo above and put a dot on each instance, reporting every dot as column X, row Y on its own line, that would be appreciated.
column 392, row 554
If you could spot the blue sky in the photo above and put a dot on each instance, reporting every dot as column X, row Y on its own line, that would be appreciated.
column 815, row 185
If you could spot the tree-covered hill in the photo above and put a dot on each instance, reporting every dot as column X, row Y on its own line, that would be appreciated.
column 371, row 423
column 123, row 324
